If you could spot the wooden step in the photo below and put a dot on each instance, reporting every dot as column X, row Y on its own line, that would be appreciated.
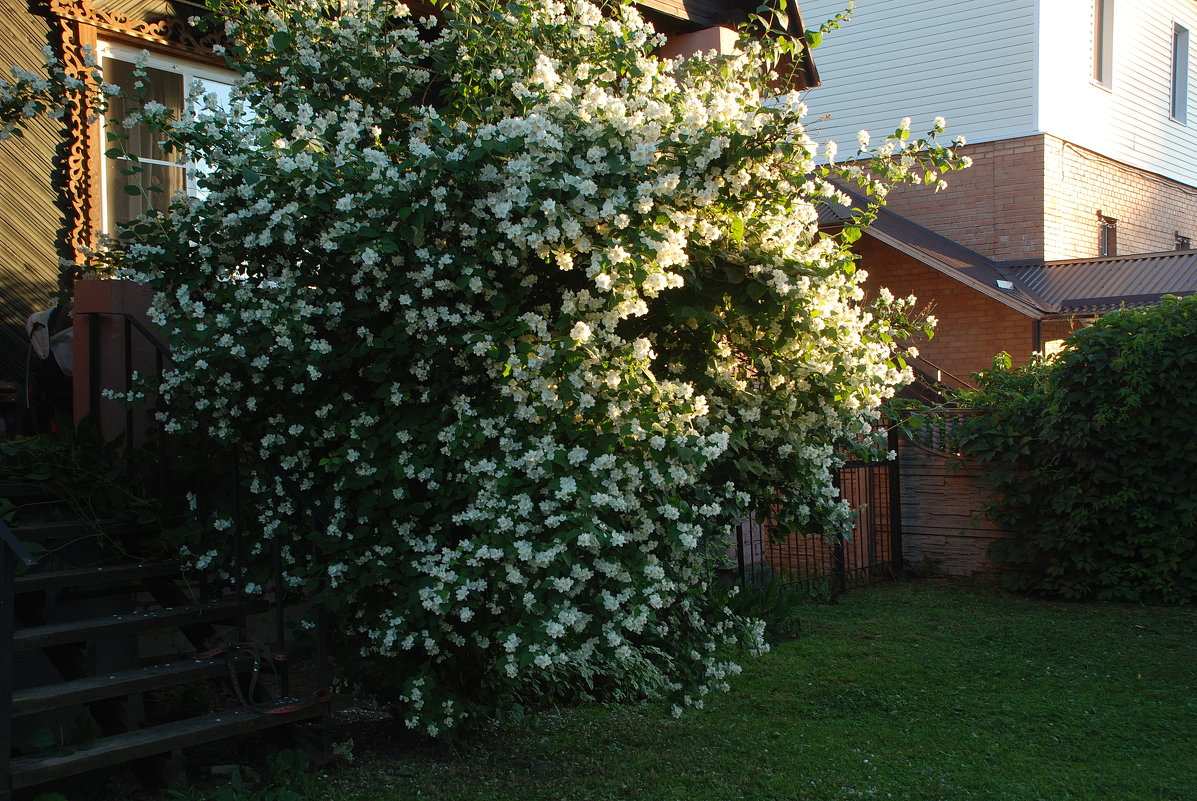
column 73, row 529
column 24, row 491
column 113, row 685
column 32, row 637
column 29, row 771
column 94, row 576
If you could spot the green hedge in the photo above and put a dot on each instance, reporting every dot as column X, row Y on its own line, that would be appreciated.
column 1095, row 458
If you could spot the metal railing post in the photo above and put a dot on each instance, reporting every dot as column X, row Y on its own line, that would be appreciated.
column 839, row 575
column 895, row 504
column 741, row 570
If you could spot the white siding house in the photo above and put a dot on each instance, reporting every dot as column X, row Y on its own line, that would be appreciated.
column 999, row 70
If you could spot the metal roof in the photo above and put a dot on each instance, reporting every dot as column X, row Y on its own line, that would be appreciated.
column 1094, row 286
column 943, row 254
column 1065, row 288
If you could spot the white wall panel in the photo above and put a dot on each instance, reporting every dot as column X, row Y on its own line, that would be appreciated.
column 1130, row 120
column 971, row 61
column 1008, row 68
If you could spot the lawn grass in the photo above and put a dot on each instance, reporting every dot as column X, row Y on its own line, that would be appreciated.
column 913, row 690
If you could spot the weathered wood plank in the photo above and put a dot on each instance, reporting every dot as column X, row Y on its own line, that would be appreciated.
column 100, row 575
column 30, row 771
column 82, row 630
column 93, row 688
column 943, row 512
column 30, row 218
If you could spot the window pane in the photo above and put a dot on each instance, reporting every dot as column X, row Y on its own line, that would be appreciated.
column 1180, row 74
column 123, row 207
column 1103, row 41
column 223, row 91
column 163, row 87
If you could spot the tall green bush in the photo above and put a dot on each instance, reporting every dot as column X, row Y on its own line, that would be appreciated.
column 1095, row 458
column 532, row 313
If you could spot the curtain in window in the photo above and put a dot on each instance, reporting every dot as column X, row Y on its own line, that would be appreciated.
column 160, row 176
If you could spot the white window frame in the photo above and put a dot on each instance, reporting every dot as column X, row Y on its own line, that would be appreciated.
column 190, row 72
column 1103, row 43
column 1178, row 107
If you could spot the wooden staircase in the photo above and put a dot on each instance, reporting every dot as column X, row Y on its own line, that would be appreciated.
column 109, row 659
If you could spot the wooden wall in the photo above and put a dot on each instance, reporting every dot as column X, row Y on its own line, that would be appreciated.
column 944, row 526
column 30, row 218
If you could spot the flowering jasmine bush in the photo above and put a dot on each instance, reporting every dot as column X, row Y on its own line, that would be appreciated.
column 536, row 315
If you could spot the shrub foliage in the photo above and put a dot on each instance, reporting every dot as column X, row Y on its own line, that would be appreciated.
column 533, row 314
column 1096, row 458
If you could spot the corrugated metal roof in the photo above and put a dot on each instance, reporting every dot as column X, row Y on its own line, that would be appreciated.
column 943, row 254
column 1094, row 286
column 1072, row 287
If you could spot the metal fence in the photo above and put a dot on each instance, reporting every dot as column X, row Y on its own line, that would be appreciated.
column 765, row 552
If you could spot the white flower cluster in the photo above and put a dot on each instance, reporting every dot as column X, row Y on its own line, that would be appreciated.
column 535, row 315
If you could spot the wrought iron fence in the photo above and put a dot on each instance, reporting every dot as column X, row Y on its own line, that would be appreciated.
column 765, row 552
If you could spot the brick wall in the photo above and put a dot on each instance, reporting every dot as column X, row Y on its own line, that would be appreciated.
column 1150, row 209
column 1051, row 331
column 995, row 207
column 972, row 326
column 1038, row 197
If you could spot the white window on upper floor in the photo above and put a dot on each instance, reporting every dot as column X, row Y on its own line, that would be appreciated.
column 1108, row 241
column 1180, row 74
column 1103, row 42
column 157, row 175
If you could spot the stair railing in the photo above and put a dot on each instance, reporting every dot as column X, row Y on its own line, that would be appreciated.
column 162, row 356
column 12, row 551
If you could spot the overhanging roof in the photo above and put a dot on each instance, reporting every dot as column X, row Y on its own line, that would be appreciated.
column 686, row 16
column 943, row 254
column 1064, row 288
column 1094, row 286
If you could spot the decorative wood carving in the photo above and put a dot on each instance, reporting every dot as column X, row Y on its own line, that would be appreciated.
column 80, row 187
column 168, row 32
column 79, row 24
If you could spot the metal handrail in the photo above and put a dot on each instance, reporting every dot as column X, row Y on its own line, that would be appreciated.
column 163, row 355
column 15, row 545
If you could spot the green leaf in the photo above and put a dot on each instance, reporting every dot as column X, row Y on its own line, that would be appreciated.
column 736, row 231
column 813, row 38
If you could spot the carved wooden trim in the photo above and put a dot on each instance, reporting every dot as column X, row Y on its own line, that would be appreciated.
column 79, row 25
column 80, row 187
column 171, row 33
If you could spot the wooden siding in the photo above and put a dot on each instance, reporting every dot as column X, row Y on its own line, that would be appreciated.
column 944, row 527
column 1130, row 120
column 30, row 218
column 970, row 61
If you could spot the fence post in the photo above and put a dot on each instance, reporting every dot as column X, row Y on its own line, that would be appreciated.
column 895, row 503
column 740, row 571
column 839, row 573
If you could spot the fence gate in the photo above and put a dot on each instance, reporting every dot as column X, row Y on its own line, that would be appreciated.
column 764, row 552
